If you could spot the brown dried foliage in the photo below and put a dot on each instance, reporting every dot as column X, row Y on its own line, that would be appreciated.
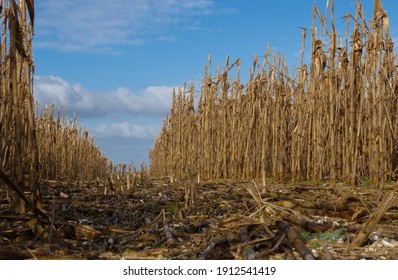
column 35, row 148
column 335, row 118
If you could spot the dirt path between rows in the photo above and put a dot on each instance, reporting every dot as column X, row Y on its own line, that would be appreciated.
column 210, row 220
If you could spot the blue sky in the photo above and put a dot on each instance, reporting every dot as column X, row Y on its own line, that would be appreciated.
column 115, row 63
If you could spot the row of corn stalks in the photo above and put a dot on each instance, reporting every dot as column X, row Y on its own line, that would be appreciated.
column 36, row 147
column 18, row 151
column 334, row 118
column 66, row 151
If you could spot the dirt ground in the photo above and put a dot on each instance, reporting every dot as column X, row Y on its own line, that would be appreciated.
column 208, row 220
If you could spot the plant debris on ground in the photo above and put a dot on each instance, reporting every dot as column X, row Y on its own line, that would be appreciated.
column 222, row 219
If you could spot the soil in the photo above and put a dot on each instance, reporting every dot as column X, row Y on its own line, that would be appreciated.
column 159, row 219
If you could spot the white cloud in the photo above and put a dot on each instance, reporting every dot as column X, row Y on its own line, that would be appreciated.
column 99, row 25
column 127, row 130
column 55, row 90
column 154, row 101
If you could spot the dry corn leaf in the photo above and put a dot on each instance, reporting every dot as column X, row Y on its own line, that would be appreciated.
column 285, row 203
column 86, row 232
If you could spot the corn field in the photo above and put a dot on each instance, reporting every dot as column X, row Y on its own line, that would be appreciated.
column 334, row 119
column 35, row 147
column 66, row 151
column 18, row 153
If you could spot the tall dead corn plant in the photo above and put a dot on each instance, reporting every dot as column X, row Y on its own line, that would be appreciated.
column 18, row 153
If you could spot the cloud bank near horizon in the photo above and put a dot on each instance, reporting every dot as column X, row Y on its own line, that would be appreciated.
column 125, row 123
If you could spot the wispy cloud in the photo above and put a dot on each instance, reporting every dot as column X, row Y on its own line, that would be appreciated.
column 154, row 101
column 100, row 25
